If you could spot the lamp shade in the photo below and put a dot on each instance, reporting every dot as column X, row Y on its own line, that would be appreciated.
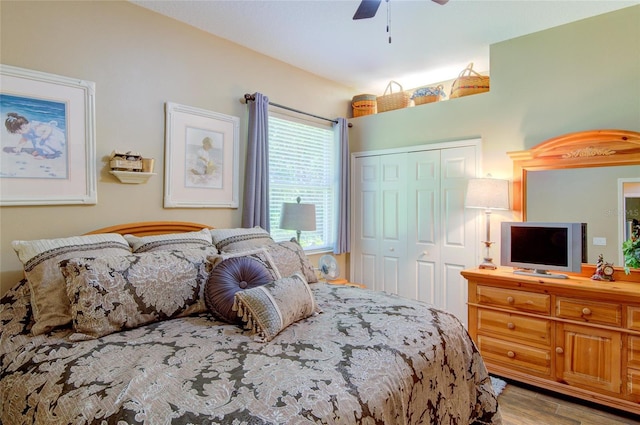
column 296, row 216
column 488, row 194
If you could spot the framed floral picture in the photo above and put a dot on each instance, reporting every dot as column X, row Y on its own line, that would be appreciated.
column 202, row 158
column 47, row 139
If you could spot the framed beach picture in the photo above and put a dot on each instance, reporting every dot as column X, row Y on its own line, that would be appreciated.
column 47, row 139
column 202, row 158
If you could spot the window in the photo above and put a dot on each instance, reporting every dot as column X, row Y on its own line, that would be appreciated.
column 303, row 160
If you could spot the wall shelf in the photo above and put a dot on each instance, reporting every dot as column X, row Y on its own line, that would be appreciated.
column 132, row 177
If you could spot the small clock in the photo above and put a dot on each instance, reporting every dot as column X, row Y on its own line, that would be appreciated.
column 608, row 271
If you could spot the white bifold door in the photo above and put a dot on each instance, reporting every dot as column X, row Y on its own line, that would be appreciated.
column 411, row 234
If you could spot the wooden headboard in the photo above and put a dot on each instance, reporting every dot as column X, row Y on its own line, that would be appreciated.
column 147, row 228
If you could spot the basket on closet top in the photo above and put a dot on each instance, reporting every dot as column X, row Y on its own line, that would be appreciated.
column 425, row 95
column 364, row 104
column 398, row 100
column 469, row 82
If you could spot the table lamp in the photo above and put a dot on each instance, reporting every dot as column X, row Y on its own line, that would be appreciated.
column 298, row 217
column 488, row 194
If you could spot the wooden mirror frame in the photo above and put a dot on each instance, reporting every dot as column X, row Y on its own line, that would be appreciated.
column 583, row 149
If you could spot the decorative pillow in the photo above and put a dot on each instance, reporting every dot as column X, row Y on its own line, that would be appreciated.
column 240, row 239
column 228, row 277
column 289, row 258
column 40, row 258
column 268, row 309
column 110, row 294
column 170, row 241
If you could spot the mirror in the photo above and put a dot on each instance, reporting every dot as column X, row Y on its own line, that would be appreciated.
column 554, row 166
column 588, row 195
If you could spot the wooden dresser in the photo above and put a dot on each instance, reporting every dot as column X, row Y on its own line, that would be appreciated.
column 575, row 336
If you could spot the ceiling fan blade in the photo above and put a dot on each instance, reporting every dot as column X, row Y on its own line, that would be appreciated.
column 367, row 9
column 440, row 1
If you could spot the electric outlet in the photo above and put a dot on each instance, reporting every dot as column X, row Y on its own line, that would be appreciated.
column 600, row 241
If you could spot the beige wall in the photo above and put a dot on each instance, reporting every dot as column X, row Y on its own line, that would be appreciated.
column 580, row 76
column 139, row 60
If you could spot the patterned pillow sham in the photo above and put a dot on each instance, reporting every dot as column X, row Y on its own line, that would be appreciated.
column 170, row 241
column 40, row 258
column 268, row 309
column 110, row 294
column 240, row 239
column 228, row 277
column 290, row 258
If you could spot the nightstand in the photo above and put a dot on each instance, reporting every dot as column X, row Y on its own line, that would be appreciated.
column 345, row 282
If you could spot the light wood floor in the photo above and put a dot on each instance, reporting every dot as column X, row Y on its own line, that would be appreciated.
column 524, row 405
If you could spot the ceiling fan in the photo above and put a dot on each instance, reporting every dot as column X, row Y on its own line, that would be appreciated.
column 368, row 8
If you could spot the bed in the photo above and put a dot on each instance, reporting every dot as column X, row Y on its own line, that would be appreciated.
column 355, row 356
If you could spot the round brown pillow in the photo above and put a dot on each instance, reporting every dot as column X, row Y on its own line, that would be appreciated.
column 230, row 276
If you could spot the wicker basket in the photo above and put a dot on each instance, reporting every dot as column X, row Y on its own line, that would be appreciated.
column 391, row 101
column 428, row 95
column 469, row 82
column 364, row 104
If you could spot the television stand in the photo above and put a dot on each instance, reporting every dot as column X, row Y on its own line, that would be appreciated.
column 541, row 273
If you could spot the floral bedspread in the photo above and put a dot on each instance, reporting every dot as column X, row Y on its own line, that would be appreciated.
column 369, row 358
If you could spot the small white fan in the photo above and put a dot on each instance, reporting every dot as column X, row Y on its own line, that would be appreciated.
column 328, row 267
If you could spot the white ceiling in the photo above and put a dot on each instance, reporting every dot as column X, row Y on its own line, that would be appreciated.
column 430, row 43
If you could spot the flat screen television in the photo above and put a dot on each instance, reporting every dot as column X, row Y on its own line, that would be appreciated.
column 534, row 248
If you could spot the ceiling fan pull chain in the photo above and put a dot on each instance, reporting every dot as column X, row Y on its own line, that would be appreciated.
column 389, row 20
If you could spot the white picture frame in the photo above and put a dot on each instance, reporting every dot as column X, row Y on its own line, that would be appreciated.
column 47, row 139
column 201, row 158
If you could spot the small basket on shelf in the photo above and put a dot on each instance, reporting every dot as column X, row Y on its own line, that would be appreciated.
column 364, row 104
column 425, row 95
column 125, row 161
column 469, row 82
column 398, row 100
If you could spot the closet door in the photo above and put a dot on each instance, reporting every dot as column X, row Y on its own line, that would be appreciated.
column 458, row 247
column 423, row 210
column 379, row 222
column 365, row 221
column 393, row 231
column 440, row 235
column 411, row 233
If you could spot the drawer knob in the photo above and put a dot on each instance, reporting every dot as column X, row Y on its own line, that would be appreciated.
column 510, row 300
column 511, row 354
column 559, row 350
column 511, row 325
column 586, row 311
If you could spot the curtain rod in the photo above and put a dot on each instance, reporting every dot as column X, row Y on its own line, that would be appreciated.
column 249, row 97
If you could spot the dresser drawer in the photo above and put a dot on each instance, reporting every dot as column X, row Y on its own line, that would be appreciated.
column 522, row 328
column 589, row 311
column 633, row 317
column 516, row 356
column 513, row 299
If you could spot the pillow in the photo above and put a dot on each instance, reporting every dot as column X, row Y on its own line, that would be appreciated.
column 228, row 277
column 110, row 294
column 229, row 240
column 268, row 309
column 40, row 258
column 170, row 241
column 289, row 258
